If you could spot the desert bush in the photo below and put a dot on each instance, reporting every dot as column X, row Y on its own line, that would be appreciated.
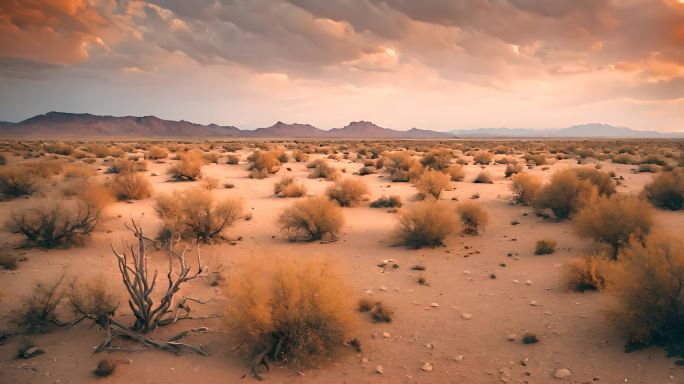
column 99, row 150
column 196, row 213
column 483, row 178
column 436, row 159
column 545, row 247
column 432, row 183
column 96, row 195
column 402, row 166
column 8, row 261
column 666, row 190
column 189, row 166
column 105, row 367
column 209, row 183
column 289, row 310
column 289, row 187
column 321, row 169
column 512, row 169
column 299, row 156
column 525, row 187
column 587, row 273
column 263, row 163
column 58, row 148
column 3, row 159
column 312, row 219
column 91, row 300
column 157, row 153
column 38, row 310
column 368, row 170
column 605, row 185
column 49, row 224
column 614, row 220
column 456, row 172
column 483, row 157
column 127, row 166
column 210, row 157
column 131, row 186
column 233, row 160
column 564, row 194
column 473, row 217
column 536, row 159
column 394, row 201
column 348, row 192
column 425, row 224
column 78, row 170
column 43, row 168
column 15, row 182
column 648, row 285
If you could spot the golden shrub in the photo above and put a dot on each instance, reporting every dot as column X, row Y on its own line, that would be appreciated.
column 425, row 224
column 312, row 219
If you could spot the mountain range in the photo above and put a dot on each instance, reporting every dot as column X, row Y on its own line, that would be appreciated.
column 85, row 125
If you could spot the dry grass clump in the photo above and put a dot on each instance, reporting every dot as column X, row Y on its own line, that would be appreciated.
column 513, row 169
column 263, row 163
column 289, row 310
column 58, row 148
column 320, row 169
column 38, row 310
column 402, row 166
column 195, row 213
column 587, row 273
column 525, row 187
column 535, row 159
column 16, row 181
column 456, row 172
column 437, row 159
column 666, row 190
column 99, row 150
column 425, row 224
column 394, row 201
column 483, row 178
column 348, row 192
column 482, row 157
column 605, row 185
column 289, row 187
column 78, row 170
column 95, row 195
column 157, row 153
column 91, row 300
column 127, row 166
column 432, row 183
column 51, row 224
column 299, row 156
column 189, row 166
column 648, row 285
column 312, row 219
column 545, row 247
column 614, row 220
column 564, row 194
column 105, row 367
column 131, row 186
column 473, row 217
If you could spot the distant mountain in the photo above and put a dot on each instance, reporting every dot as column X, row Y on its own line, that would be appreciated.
column 593, row 130
column 84, row 125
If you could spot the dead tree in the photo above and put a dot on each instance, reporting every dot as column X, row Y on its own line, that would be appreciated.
column 136, row 278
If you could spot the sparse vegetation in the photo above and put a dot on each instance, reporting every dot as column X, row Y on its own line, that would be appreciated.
column 666, row 190
column 394, row 201
column 131, row 186
column 289, row 187
column 425, row 224
column 320, row 169
column 188, row 167
column 525, row 187
column 348, row 192
column 545, row 247
column 587, row 273
column 432, row 183
column 314, row 218
column 564, row 194
column 473, row 217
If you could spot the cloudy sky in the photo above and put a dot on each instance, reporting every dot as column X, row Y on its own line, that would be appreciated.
column 433, row 64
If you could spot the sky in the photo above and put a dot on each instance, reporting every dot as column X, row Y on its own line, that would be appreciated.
column 430, row 64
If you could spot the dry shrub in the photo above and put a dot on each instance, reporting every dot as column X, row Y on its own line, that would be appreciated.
column 381, row 313
column 473, row 217
column 436, row 159
column 15, row 182
column 512, row 169
column 210, row 183
column 536, row 159
column 196, row 213
column 233, row 160
column 666, row 190
column 587, row 273
column 92, row 300
column 394, row 201
column 289, row 187
column 127, row 166
column 614, row 220
column 425, row 224
column 564, row 194
column 432, row 183
column 525, row 187
column 483, row 178
column 157, row 153
column 105, row 367
column 44, row 168
column 299, row 156
column 648, row 285
column 289, row 310
column 50, row 224
column 402, row 166
column 96, row 195
column 605, row 185
column 456, row 172
column 321, row 169
column 99, row 150
column 37, row 312
column 131, row 186
column 78, row 170
column 312, row 219
column 263, row 163
column 8, row 261
column 189, row 166
column 482, row 157
column 348, row 192
column 545, row 247
column 58, row 148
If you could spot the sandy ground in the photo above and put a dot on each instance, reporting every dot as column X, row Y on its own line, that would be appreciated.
column 572, row 327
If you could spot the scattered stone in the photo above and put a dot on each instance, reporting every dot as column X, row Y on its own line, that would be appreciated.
column 386, row 335
column 383, row 288
column 379, row 369
column 427, row 367
column 512, row 337
column 458, row 358
column 30, row 351
column 434, row 305
column 467, row 316
column 562, row 373
column 530, row 338
column 528, row 282
column 533, row 303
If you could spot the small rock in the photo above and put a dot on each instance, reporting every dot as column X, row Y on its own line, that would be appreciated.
column 434, row 305
column 427, row 367
column 533, row 303
column 528, row 282
column 458, row 358
column 379, row 369
column 467, row 316
column 512, row 337
column 383, row 288
column 386, row 335
column 562, row 373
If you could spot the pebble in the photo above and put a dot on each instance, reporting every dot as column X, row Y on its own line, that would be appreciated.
column 467, row 316
column 434, row 305
column 386, row 335
column 379, row 369
column 562, row 373
column 512, row 337
column 383, row 288
column 528, row 282
column 458, row 358
column 533, row 303
column 427, row 367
